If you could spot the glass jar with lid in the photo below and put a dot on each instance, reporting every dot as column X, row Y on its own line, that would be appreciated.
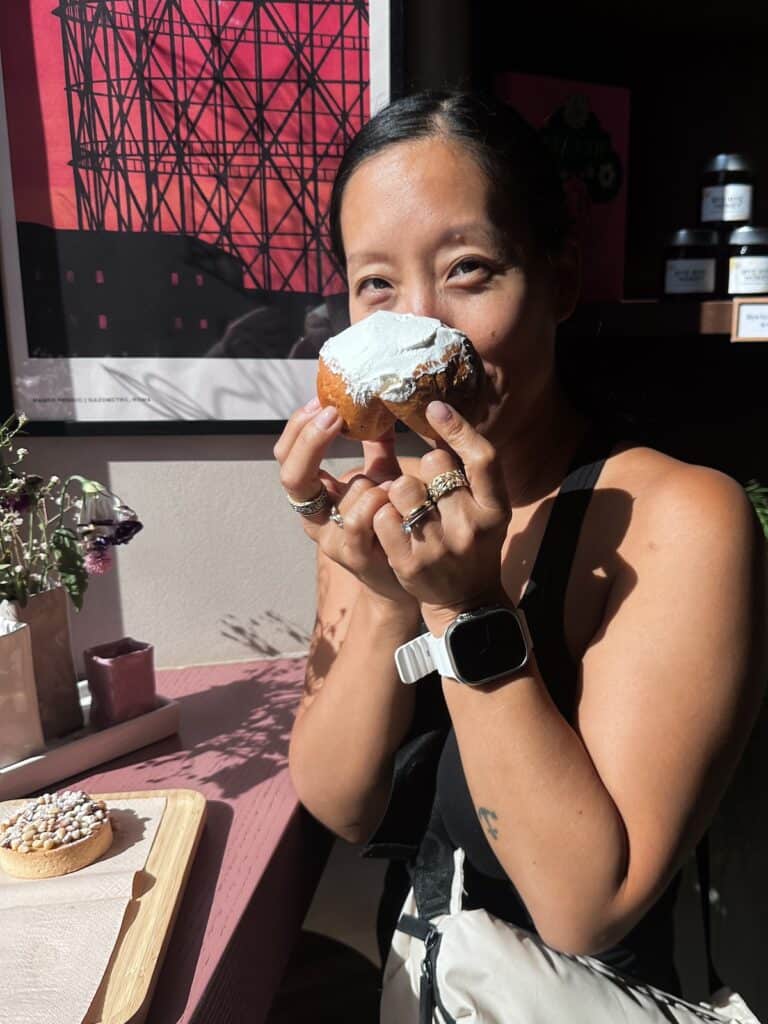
column 691, row 264
column 748, row 261
column 727, row 190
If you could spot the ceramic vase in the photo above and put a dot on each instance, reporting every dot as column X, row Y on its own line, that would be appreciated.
column 47, row 615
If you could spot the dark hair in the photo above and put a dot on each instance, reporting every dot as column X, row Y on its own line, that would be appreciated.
column 521, row 169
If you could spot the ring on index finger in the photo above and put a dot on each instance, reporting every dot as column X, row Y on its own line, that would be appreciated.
column 445, row 483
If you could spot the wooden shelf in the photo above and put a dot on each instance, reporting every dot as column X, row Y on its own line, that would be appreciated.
column 651, row 318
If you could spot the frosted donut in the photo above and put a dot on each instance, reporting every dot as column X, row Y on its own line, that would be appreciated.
column 54, row 834
column 391, row 366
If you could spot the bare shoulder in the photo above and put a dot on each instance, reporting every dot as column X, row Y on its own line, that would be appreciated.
column 677, row 502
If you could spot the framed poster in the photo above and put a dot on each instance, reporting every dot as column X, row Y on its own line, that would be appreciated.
column 165, row 170
column 587, row 127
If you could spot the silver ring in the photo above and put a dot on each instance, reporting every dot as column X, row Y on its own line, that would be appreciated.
column 445, row 483
column 320, row 503
column 416, row 515
column 335, row 515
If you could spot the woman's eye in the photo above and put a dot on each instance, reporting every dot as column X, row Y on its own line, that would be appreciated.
column 467, row 267
column 376, row 284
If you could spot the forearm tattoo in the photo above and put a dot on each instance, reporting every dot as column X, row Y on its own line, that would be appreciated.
column 487, row 817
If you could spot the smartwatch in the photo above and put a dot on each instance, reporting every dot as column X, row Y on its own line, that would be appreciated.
column 478, row 647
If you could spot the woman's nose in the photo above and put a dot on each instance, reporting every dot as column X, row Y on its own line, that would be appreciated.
column 420, row 302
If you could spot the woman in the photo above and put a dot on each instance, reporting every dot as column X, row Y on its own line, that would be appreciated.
column 579, row 783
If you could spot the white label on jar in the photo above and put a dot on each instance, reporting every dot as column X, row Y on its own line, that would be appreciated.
column 726, row 202
column 748, row 275
column 689, row 276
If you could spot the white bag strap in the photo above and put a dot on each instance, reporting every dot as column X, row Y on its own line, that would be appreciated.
column 457, row 882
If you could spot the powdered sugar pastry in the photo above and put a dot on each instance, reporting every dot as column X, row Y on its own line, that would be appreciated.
column 381, row 354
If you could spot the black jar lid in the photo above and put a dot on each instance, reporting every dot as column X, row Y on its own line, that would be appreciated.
column 748, row 235
column 728, row 162
column 692, row 236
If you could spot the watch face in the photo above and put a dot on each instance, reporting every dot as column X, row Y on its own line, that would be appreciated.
column 487, row 646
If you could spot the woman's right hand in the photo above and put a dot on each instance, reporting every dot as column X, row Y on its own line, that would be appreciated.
column 357, row 496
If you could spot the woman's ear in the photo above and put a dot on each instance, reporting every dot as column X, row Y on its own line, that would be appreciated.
column 567, row 269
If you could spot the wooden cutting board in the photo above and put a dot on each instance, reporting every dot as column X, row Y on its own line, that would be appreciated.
column 129, row 981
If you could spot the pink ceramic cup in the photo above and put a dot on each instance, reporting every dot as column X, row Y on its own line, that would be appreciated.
column 121, row 680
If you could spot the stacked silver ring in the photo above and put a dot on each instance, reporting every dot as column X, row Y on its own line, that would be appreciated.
column 320, row 503
column 416, row 515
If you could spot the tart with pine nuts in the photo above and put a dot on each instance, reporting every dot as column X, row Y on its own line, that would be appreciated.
column 54, row 834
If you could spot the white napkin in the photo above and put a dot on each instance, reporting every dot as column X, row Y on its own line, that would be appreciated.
column 57, row 934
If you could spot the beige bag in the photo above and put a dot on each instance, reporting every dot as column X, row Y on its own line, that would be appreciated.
column 21, row 733
column 468, row 967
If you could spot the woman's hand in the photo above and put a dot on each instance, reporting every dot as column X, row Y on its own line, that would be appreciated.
column 452, row 559
column 357, row 496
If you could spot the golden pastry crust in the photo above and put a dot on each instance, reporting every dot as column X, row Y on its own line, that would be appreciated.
column 362, row 422
column 456, row 383
column 46, row 839
column 61, row 861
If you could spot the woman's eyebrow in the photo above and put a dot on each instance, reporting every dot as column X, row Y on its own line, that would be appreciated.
column 361, row 258
column 460, row 234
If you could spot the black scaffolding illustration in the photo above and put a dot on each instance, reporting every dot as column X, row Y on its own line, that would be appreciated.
column 219, row 120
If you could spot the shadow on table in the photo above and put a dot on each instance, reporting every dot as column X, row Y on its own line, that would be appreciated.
column 235, row 735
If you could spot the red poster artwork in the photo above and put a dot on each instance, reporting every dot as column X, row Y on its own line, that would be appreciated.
column 587, row 127
column 172, row 162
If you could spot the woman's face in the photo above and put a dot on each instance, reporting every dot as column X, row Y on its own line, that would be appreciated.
column 419, row 238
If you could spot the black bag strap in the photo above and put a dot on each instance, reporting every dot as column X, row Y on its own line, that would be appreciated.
column 702, row 863
column 432, row 871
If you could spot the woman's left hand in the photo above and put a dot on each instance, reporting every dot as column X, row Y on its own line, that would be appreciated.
column 451, row 561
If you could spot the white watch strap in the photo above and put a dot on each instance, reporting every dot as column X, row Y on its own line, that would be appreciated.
column 421, row 656
column 440, row 657
column 414, row 659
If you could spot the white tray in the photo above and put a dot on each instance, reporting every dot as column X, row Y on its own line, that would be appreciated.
column 87, row 747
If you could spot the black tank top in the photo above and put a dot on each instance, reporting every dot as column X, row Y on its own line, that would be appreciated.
column 429, row 776
column 544, row 605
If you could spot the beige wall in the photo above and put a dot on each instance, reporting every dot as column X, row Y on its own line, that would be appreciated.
column 222, row 570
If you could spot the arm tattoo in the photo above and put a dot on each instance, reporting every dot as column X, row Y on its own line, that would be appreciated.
column 485, row 814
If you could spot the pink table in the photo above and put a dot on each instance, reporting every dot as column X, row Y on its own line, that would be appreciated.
column 260, row 854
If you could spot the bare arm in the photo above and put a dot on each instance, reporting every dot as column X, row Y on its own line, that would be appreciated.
column 355, row 711
column 591, row 823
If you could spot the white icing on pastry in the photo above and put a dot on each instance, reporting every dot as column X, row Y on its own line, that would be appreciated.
column 379, row 356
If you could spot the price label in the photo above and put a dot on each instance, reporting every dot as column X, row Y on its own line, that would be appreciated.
column 750, row 320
